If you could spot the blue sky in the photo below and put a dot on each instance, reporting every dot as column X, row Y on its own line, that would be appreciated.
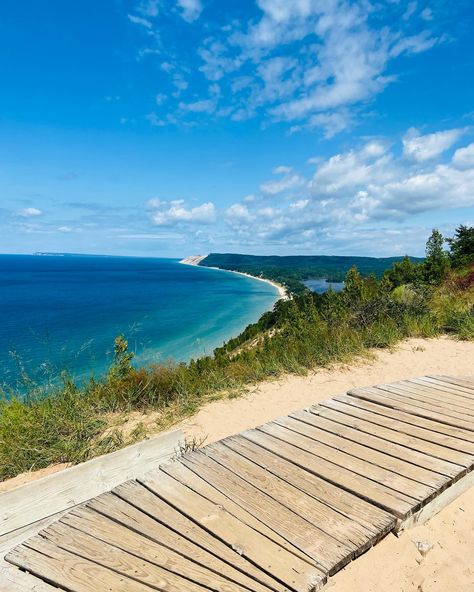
column 174, row 127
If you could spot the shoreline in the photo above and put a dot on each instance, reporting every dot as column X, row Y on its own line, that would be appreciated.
column 194, row 261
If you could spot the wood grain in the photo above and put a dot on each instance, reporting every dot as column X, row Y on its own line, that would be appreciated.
column 57, row 492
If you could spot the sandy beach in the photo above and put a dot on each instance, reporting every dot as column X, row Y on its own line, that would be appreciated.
column 196, row 259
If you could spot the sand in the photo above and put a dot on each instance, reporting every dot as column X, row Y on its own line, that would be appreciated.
column 395, row 564
column 268, row 400
column 196, row 260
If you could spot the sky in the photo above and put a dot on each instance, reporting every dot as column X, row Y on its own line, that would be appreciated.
column 177, row 127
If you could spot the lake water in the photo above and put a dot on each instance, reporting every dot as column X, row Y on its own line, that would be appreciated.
column 64, row 312
column 320, row 285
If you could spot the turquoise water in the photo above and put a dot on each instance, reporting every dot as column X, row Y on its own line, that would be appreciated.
column 63, row 312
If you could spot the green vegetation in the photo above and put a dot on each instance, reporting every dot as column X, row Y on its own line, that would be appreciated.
column 71, row 423
column 293, row 270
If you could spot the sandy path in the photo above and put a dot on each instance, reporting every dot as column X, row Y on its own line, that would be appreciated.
column 412, row 358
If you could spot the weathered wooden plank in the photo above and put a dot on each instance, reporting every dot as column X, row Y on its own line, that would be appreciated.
column 141, row 562
column 449, row 390
column 188, row 475
column 459, row 380
column 111, row 533
column 349, row 534
column 464, row 387
column 416, row 399
column 424, row 428
column 13, row 579
column 147, row 502
column 403, row 404
column 404, row 489
column 271, row 558
column 70, row 572
column 430, row 398
column 440, row 396
column 16, row 537
column 400, row 506
column 365, row 447
column 373, row 519
column 121, row 512
column 300, row 527
column 66, row 489
column 447, row 461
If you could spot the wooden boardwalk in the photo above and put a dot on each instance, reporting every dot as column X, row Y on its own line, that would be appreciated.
column 278, row 508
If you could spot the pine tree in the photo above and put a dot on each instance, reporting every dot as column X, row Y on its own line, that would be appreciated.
column 462, row 246
column 437, row 262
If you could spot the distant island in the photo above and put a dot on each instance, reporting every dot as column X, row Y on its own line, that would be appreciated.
column 291, row 271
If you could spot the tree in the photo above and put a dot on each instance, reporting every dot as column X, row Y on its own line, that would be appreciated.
column 353, row 286
column 461, row 247
column 402, row 272
column 437, row 262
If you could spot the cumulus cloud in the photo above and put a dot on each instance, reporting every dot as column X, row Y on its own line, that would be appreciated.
column 426, row 147
column 167, row 213
column 464, row 157
column 365, row 193
column 238, row 213
column 30, row 212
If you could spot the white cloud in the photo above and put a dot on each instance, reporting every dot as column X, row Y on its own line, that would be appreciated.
column 331, row 123
column 312, row 63
column 238, row 213
column 165, row 213
column 282, row 170
column 410, row 11
column 371, row 184
column 269, row 212
column 287, row 182
column 364, row 194
column 429, row 146
column 203, row 106
column 149, row 8
column 138, row 20
column 353, row 168
column 427, row 14
column 464, row 157
column 30, row 212
column 190, row 9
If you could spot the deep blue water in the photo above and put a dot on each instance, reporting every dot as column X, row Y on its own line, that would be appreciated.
column 64, row 312
column 320, row 285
